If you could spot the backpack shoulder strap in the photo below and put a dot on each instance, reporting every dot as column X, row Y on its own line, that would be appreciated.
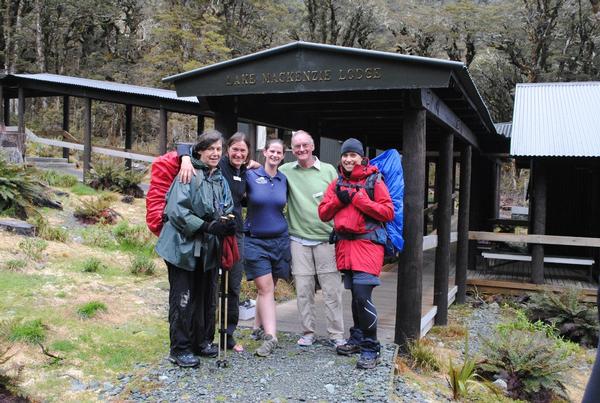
column 370, row 184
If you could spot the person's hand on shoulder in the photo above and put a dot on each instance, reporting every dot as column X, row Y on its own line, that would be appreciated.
column 187, row 171
column 253, row 165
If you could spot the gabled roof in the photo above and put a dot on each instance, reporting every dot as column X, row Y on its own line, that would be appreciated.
column 556, row 119
column 310, row 68
column 504, row 128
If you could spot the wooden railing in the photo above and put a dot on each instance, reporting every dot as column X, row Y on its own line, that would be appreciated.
column 535, row 239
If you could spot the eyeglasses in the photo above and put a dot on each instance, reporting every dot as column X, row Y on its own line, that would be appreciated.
column 306, row 146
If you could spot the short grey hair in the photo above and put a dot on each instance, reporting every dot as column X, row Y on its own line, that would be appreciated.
column 299, row 132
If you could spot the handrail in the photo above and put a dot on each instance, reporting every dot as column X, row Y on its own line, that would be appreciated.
column 535, row 238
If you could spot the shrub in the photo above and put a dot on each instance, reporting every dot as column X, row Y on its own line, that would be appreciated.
column 573, row 320
column 90, row 309
column 98, row 236
column 32, row 331
column 142, row 264
column 57, row 179
column 92, row 265
column 113, row 175
column 15, row 264
column 6, row 353
column 529, row 363
column 133, row 236
column 33, row 248
column 21, row 192
column 97, row 209
column 48, row 232
column 422, row 355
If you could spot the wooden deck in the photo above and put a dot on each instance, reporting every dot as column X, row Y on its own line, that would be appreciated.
column 384, row 298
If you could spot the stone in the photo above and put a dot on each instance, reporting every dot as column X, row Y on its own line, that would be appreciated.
column 501, row 384
column 17, row 226
column 330, row 388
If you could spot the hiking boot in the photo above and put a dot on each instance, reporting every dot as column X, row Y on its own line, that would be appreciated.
column 258, row 333
column 185, row 359
column 306, row 340
column 337, row 342
column 269, row 344
column 210, row 350
column 367, row 360
column 347, row 349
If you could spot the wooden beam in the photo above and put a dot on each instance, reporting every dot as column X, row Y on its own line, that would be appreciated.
column 199, row 125
column 495, row 189
column 1, row 106
column 535, row 239
column 65, row 123
column 444, row 214
column 462, row 247
column 509, row 287
column 87, row 138
column 128, row 132
column 445, row 116
column 226, row 123
column 410, row 284
column 539, row 219
column 6, row 108
column 21, row 117
column 162, row 131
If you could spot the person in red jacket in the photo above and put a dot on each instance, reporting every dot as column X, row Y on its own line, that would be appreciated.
column 359, row 233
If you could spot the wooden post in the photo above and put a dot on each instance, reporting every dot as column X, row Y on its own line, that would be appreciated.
column 65, row 123
column 6, row 108
column 21, row 111
column 226, row 123
column 1, row 105
column 410, row 286
column 462, row 246
column 251, row 136
column 539, row 223
column 87, row 138
column 496, row 189
column 426, row 195
column 442, row 252
column 162, row 131
column 128, row 132
column 200, row 125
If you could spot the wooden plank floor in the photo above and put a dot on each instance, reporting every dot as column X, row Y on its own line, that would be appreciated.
column 384, row 298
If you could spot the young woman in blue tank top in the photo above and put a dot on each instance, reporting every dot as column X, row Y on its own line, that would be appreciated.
column 267, row 245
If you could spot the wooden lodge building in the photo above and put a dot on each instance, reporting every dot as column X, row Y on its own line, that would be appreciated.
column 429, row 109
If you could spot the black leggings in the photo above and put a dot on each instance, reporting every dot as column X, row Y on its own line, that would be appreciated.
column 364, row 316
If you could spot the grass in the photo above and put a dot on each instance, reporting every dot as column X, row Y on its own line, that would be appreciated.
column 83, row 190
column 64, row 346
column 92, row 265
column 57, row 179
column 33, row 248
column 91, row 309
column 423, row 356
column 141, row 264
column 47, row 231
column 32, row 331
column 15, row 264
column 451, row 331
column 98, row 236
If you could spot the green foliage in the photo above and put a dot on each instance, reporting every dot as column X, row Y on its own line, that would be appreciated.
column 48, row 232
column 96, row 209
column 21, row 192
column 462, row 379
column 6, row 353
column 98, row 236
column 422, row 355
column 133, row 237
column 91, row 309
column 531, row 364
column 57, row 179
column 83, row 190
column 15, row 264
column 32, row 331
column 63, row 345
column 33, row 248
column 573, row 320
column 113, row 175
column 142, row 264
column 92, row 265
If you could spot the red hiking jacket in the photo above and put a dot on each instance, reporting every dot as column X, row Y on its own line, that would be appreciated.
column 358, row 254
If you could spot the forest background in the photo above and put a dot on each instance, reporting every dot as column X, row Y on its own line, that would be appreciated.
column 503, row 42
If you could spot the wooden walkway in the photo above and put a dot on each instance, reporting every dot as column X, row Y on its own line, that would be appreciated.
column 384, row 298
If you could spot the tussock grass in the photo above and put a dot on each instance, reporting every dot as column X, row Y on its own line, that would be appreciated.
column 98, row 236
column 451, row 331
column 57, row 179
column 32, row 331
column 92, row 265
column 423, row 356
column 141, row 264
column 83, row 190
column 33, row 248
column 15, row 264
column 47, row 231
column 91, row 309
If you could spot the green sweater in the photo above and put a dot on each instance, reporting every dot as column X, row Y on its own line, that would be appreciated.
column 306, row 187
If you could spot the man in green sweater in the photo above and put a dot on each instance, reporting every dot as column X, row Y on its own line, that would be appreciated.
column 312, row 254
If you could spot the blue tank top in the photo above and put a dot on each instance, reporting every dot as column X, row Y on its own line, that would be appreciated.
column 266, row 197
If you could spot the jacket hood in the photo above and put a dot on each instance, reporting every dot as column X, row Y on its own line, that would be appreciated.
column 359, row 172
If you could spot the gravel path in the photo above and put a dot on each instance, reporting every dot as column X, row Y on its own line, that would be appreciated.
column 291, row 374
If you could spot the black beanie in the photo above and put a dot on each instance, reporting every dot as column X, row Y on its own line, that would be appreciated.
column 352, row 145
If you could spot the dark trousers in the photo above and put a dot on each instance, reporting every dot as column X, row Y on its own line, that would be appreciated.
column 364, row 315
column 192, row 304
column 235, row 284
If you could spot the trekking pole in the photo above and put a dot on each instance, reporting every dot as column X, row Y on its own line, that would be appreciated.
column 222, row 348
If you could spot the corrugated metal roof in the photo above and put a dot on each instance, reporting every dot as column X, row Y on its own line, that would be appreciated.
column 556, row 119
column 504, row 128
column 108, row 86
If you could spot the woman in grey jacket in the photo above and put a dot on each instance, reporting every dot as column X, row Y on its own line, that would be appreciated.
column 190, row 244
